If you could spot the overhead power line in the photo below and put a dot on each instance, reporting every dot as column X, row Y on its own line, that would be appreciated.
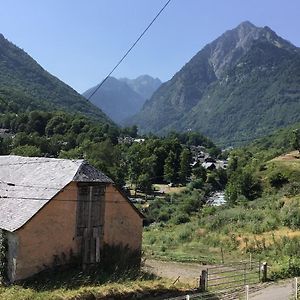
column 129, row 50
column 60, row 200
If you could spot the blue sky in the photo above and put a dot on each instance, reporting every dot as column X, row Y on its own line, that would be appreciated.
column 80, row 41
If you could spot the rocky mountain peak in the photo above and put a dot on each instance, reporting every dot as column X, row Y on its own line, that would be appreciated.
column 226, row 50
column 239, row 87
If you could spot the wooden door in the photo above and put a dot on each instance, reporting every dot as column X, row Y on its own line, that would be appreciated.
column 90, row 221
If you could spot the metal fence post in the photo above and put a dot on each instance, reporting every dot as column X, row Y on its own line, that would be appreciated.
column 264, row 272
column 296, row 288
column 247, row 292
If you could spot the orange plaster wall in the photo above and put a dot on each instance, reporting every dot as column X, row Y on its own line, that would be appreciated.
column 50, row 232
column 122, row 224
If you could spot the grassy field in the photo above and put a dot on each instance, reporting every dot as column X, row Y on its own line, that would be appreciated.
column 168, row 189
column 107, row 291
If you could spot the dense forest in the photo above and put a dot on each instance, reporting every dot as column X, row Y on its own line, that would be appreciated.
column 109, row 148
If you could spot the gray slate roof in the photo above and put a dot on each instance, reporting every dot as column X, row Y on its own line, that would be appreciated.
column 29, row 183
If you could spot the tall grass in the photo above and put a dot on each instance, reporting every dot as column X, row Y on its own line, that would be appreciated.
column 75, row 284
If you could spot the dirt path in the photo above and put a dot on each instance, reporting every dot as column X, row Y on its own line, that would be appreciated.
column 188, row 272
column 277, row 291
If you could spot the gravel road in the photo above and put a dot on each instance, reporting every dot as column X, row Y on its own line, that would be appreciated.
column 282, row 290
column 188, row 272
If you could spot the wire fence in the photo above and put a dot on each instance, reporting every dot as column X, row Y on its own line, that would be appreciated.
column 228, row 281
column 233, row 275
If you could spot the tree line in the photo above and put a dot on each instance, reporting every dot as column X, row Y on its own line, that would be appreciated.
column 58, row 134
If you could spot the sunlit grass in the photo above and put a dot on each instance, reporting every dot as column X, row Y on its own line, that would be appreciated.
column 109, row 290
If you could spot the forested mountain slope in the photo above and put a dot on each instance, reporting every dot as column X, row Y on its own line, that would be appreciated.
column 243, row 85
column 25, row 85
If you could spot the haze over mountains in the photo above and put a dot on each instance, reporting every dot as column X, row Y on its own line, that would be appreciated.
column 144, row 85
column 243, row 85
column 25, row 86
column 122, row 98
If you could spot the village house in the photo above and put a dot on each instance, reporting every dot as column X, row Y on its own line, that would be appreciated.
column 54, row 210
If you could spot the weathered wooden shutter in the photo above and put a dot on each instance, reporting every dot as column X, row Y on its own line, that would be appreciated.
column 90, row 220
column 82, row 209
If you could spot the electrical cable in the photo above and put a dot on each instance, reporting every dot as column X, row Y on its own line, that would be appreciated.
column 47, row 199
column 62, row 200
column 128, row 51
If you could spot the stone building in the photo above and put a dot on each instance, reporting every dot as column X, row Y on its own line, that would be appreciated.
column 52, row 210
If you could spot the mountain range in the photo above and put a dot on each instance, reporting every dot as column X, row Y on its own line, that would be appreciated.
column 122, row 98
column 26, row 86
column 243, row 85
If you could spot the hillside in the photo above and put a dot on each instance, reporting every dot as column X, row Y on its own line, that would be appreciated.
column 261, row 217
column 243, row 85
column 25, row 85
column 122, row 98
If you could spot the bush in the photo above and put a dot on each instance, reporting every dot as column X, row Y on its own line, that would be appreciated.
column 291, row 189
column 181, row 218
column 27, row 150
column 277, row 179
column 185, row 234
column 291, row 216
column 287, row 267
column 208, row 210
column 291, row 246
column 196, row 184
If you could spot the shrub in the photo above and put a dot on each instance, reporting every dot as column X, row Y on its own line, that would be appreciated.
column 196, row 184
column 277, row 179
column 27, row 150
column 291, row 216
column 163, row 216
column 291, row 246
column 185, row 234
column 291, row 189
column 152, row 240
column 181, row 218
column 287, row 267
column 208, row 210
